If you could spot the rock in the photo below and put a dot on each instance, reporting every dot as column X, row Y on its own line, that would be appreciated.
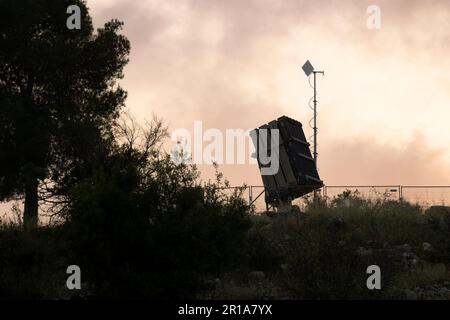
column 410, row 295
column 413, row 263
column 444, row 291
column 406, row 256
column 427, row 247
column 429, row 292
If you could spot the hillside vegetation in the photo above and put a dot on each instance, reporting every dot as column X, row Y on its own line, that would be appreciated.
column 213, row 247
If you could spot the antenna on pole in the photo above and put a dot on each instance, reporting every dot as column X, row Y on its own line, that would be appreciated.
column 309, row 69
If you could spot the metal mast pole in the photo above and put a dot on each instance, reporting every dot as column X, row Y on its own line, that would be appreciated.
column 315, row 120
column 308, row 69
column 315, row 154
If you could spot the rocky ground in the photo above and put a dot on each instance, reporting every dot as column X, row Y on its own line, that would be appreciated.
column 421, row 270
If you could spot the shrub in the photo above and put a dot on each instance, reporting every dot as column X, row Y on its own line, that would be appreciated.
column 426, row 275
column 131, row 242
column 32, row 264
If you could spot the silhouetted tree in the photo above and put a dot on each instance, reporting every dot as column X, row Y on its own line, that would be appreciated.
column 143, row 226
column 58, row 97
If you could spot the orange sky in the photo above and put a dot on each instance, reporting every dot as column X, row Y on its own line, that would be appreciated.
column 383, row 103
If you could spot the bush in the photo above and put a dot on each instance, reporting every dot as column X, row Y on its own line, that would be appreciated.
column 428, row 274
column 138, row 224
column 324, row 252
column 321, row 262
column 132, row 243
column 32, row 264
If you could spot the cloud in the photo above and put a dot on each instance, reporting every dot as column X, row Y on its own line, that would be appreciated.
column 236, row 64
column 365, row 161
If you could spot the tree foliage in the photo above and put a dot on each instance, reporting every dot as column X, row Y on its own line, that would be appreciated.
column 144, row 226
column 58, row 96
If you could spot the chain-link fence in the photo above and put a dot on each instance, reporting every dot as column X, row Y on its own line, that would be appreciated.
column 367, row 192
column 425, row 196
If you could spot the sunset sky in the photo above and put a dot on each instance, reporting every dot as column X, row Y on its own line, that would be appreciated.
column 383, row 103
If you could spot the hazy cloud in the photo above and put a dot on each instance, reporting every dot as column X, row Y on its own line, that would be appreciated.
column 236, row 64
